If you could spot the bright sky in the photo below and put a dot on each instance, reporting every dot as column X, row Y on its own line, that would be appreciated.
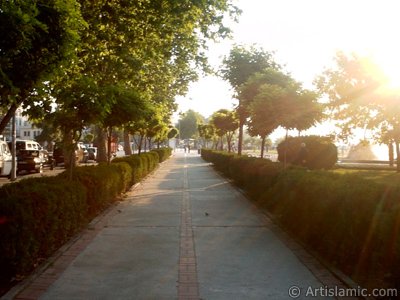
column 305, row 35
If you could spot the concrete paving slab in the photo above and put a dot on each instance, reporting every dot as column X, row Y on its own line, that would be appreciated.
column 123, row 263
column 247, row 263
column 224, row 211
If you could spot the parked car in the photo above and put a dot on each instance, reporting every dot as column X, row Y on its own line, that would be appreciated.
column 81, row 154
column 92, row 153
column 29, row 156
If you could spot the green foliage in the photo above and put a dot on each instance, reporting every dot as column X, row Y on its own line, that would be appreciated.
column 243, row 62
column 350, row 221
column 225, row 123
column 220, row 159
column 358, row 98
column 173, row 132
column 321, row 153
column 237, row 68
column 36, row 38
column 273, row 98
column 102, row 182
column 135, row 163
column 142, row 164
column 188, row 124
column 163, row 153
column 253, row 174
column 37, row 216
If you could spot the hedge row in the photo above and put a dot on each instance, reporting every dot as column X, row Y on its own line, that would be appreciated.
column 352, row 222
column 163, row 153
column 38, row 215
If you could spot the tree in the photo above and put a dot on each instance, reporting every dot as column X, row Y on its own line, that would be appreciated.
column 128, row 107
column 279, row 100
column 207, row 132
column 274, row 99
column 358, row 98
column 237, row 69
column 265, row 112
column 226, row 122
column 188, row 124
column 37, row 37
column 387, row 123
column 153, row 48
column 350, row 86
column 173, row 132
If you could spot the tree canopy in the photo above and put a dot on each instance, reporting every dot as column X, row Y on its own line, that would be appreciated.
column 359, row 98
column 241, row 63
column 188, row 124
column 225, row 122
column 123, row 57
column 37, row 38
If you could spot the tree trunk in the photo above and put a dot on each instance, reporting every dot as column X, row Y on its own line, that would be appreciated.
column 262, row 146
column 391, row 153
column 240, row 139
column 228, row 139
column 285, row 150
column 398, row 155
column 139, row 143
column 101, row 145
column 109, row 137
column 7, row 118
column 127, row 143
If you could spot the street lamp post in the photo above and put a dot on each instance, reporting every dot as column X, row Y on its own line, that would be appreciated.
column 13, row 150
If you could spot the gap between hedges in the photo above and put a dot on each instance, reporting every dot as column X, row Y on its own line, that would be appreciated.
column 39, row 215
column 350, row 222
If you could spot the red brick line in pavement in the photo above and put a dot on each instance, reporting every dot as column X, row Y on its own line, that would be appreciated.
column 188, row 287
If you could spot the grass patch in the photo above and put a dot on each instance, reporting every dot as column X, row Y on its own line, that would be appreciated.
column 387, row 177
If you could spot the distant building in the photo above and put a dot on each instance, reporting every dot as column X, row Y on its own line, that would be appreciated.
column 25, row 130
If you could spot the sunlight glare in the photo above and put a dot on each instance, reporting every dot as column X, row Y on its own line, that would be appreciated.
column 390, row 64
column 381, row 152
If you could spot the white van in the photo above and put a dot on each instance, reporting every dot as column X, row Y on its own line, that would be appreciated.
column 5, row 159
column 29, row 156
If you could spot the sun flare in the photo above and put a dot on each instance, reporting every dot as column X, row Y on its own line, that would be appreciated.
column 390, row 65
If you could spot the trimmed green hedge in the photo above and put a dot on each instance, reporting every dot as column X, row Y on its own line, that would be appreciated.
column 137, row 164
column 321, row 153
column 103, row 183
column 352, row 222
column 143, row 164
column 38, row 215
column 163, row 153
column 220, row 159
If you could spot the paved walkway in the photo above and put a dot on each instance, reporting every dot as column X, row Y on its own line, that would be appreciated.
column 184, row 233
